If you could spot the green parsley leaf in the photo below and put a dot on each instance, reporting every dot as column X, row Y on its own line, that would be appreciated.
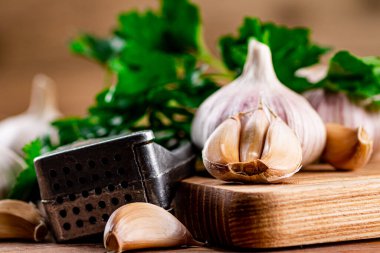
column 291, row 50
column 358, row 78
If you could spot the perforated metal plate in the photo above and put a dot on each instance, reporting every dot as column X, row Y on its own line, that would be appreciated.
column 82, row 184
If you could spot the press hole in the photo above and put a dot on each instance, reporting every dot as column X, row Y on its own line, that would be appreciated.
column 111, row 187
column 115, row 201
column 102, row 204
column 66, row 170
column 67, row 226
column 76, row 210
column 91, row 164
column 56, row 187
column 72, row 197
column 79, row 223
column 59, row 200
column 128, row 198
column 117, row 157
column 53, row 173
column 98, row 191
column 69, row 183
column 89, row 207
column 104, row 160
column 82, row 180
column 92, row 220
column 121, row 171
column 63, row 213
column 105, row 217
column 124, row 184
column 85, row 194
column 95, row 177
column 108, row 174
column 78, row 167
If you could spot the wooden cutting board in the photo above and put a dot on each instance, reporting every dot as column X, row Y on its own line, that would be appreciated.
column 317, row 205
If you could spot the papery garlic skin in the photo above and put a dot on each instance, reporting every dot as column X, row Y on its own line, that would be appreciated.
column 21, row 220
column 142, row 225
column 337, row 108
column 10, row 166
column 347, row 148
column 253, row 147
column 16, row 131
column 259, row 80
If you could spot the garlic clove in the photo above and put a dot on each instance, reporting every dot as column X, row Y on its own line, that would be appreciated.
column 18, row 130
column 224, row 145
column 347, row 148
column 144, row 225
column 272, row 148
column 20, row 220
column 253, row 135
column 282, row 152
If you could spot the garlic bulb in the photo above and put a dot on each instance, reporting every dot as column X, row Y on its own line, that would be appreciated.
column 10, row 166
column 18, row 130
column 337, row 108
column 253, row 147
column 259, row 80
column 347, row 148
column 144, row 225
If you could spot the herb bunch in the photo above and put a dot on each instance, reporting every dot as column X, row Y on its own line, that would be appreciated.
column 160, row 71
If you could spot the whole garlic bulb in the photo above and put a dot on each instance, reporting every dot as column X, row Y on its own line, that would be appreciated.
column 18, row 130
column 337, row 108
column 10, row 166
column 259, row 81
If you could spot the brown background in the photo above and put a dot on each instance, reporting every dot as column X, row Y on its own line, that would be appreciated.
column 34, row 35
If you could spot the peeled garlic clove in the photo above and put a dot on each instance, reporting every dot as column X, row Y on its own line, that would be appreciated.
column 269, row 150
column 144, row 225
column 18, row 130
column 10, row 166
column 20, row 220
column 258, row 81
column 347, row 148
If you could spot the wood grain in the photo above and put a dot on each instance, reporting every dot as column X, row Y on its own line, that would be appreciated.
column 318, row 205
column 368, row 246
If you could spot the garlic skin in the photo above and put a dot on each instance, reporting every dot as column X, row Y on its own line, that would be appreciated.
column 21, row 220
column 253, row 147
column 143, row 225
column 347, row 148
column 10, row 166
column 337, row 108
column 16, row 131
column 259, row 81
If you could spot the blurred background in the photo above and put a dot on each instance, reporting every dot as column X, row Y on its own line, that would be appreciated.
column 34, row 37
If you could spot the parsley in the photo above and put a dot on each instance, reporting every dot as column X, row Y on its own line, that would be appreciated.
column 291, row 50
column 26, row 186
column 158, row 59
column 358, row 78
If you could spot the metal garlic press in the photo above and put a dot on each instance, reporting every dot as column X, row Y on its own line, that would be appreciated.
column 82, row 184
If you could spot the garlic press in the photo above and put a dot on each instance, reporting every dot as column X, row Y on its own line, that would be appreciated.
column 83, row 183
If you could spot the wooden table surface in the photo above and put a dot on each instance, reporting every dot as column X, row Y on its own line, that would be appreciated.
column 367, row 246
